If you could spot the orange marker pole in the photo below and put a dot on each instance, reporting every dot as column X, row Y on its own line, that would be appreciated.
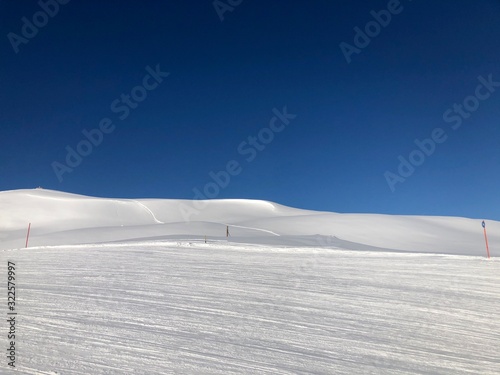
column 28, row 235
column 486, row 240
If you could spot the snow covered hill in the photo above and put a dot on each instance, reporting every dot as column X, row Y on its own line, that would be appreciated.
column 116, row 286
column 60, row 218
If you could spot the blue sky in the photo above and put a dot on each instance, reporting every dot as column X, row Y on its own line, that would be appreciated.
column 348, row 124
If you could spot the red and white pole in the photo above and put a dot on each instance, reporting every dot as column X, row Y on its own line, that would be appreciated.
column 28, row 234
column 486, row 240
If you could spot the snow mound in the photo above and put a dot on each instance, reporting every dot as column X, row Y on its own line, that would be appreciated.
column 59, row 218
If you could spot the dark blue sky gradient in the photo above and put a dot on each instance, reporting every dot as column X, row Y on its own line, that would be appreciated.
column 353, row 120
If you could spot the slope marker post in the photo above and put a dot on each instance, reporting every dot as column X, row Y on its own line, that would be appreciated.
column 28, row 234
column 486, row 240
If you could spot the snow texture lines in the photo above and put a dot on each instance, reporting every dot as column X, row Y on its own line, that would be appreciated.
column 204, row 309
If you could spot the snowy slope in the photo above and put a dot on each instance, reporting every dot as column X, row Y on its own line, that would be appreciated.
column 193, row 308
column 60, row 218
column 116, row 286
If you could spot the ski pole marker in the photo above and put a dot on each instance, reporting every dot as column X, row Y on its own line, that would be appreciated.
column 486, row 240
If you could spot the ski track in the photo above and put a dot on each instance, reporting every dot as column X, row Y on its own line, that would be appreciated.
column 206, row 309
column 149, row 211
column 256, row 229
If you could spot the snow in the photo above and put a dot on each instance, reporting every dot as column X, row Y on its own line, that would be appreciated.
column 115, row 286
column 60, row 219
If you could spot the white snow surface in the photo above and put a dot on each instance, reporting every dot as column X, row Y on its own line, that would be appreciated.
column 117, row 286
column 60, row 219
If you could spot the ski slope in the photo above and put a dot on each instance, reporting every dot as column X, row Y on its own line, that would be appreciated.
column 114, row 286
column 61, row 219
column 195, row 308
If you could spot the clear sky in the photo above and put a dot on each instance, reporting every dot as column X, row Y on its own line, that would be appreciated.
column 333, row 95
